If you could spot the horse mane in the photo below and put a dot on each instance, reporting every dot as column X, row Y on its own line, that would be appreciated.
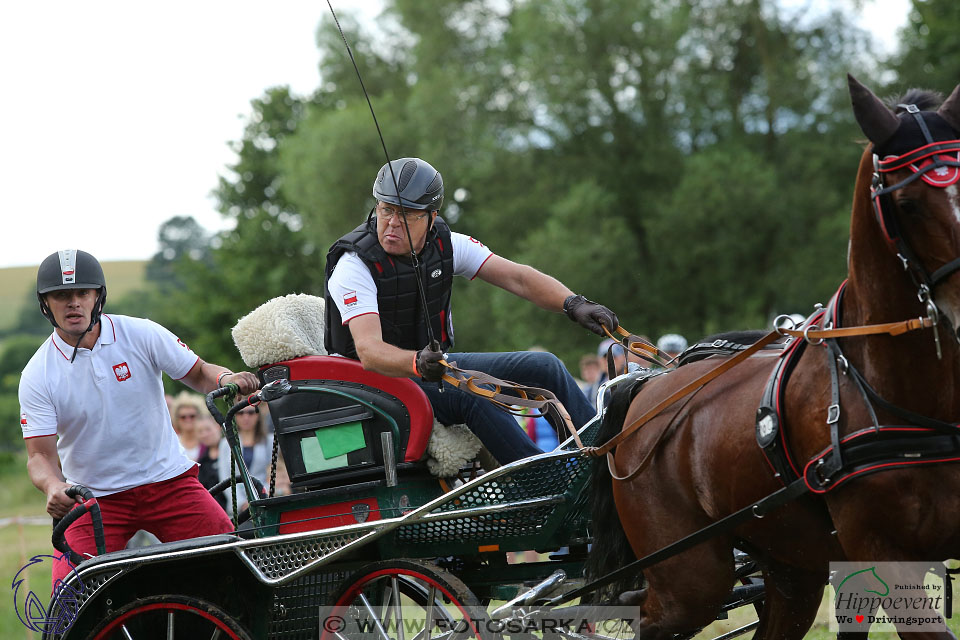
column 925, row 99
column 611, row 549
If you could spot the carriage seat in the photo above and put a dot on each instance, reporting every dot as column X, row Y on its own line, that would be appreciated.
column 323, row 434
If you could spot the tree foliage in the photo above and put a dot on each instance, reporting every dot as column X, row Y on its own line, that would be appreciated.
column 688, row 163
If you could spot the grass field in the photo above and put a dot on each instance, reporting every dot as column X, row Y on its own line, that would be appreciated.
column 21, row 541
column 18, row 286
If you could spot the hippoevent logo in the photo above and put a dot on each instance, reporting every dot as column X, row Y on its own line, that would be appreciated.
column 887, row 596
column 63, row 604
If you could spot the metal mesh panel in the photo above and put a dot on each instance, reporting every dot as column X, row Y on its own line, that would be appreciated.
column 90, row 586
column 543, row 478
column 484, row 527
column 282, row 558
column 296, row 605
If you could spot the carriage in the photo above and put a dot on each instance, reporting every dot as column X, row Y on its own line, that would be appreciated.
column 380, row 524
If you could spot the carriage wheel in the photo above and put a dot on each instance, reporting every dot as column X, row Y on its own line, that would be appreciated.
column 403, row 600
column 168, row 616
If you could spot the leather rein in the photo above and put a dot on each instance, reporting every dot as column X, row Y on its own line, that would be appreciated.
column 810, row 333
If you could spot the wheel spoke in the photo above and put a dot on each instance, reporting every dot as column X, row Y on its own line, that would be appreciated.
column 170, row 626
column 126, row 632
column 397, row 612
column 216, row 634
column 373, row 615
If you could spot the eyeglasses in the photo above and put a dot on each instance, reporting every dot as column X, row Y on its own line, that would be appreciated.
column 385, row 213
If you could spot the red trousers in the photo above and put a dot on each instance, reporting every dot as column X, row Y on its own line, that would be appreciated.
column 173, row 509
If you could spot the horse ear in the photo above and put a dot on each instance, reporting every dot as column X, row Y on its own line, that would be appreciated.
column 950, row 109
column 874, row 118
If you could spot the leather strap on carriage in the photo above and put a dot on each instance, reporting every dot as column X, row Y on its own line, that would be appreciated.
column 510, row 396
column 605, row 449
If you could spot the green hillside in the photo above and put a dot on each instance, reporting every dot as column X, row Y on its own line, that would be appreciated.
column 17, row 286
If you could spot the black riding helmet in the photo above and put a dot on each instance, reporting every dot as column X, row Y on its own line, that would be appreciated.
column 71, row 269
column 420, row 185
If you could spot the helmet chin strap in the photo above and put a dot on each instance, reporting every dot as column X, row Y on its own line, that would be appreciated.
column 94, row 319
column 76, row 347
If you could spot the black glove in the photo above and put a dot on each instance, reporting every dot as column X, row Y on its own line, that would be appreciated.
column 428, row 364
column 590, row 315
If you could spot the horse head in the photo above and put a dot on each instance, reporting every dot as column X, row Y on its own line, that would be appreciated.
column 913, row 167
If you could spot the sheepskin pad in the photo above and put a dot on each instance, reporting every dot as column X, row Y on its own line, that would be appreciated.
column 282, row 328
column 450, row 448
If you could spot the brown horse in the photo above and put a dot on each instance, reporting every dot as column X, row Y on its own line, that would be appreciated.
column 708, row 463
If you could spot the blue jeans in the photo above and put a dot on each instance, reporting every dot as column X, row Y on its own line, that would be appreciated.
column 498, row 430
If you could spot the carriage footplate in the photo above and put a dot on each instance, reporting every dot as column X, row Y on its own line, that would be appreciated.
column 531, row 595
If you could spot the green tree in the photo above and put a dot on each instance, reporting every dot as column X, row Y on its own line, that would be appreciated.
column 929, row 45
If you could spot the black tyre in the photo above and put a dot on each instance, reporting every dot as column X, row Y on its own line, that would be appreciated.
column 169, row 616
column 401, row 600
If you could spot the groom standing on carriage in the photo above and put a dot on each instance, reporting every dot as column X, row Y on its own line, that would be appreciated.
column 374, row 307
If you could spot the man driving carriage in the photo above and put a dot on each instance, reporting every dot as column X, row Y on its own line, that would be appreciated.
column 374, row 311
column 93, row 413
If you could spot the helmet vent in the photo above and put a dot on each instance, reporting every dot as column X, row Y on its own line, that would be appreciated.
column 406, row 173
column 436, row 184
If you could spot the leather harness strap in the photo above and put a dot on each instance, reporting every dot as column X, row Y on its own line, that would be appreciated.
column 507, row 396
column 771, row 337
column 890, row 328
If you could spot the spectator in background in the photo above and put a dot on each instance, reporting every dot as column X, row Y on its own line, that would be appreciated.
column 672, row 344
column 187, row 410
column 590, row 369
column 209, row 436
column 608, row 345
column 257, row 446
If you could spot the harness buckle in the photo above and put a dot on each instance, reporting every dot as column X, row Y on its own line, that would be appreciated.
column 818, row 471
column 906, row 263
column 833, row 414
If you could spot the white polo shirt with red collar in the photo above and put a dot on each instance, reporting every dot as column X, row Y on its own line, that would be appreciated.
column 107, row 407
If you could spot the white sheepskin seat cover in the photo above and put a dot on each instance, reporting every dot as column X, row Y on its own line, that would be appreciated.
column 286, row 327
column 450, row 448
column 292, row 326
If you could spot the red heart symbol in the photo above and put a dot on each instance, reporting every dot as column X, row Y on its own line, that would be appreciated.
column 859, row 618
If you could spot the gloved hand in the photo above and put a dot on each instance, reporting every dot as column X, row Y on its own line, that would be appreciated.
column 590, row 315
column 428, row 364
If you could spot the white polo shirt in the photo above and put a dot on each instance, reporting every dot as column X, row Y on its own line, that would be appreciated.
column 108, row 407
column 355, row 293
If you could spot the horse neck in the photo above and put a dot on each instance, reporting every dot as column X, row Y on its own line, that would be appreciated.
column 903, row 369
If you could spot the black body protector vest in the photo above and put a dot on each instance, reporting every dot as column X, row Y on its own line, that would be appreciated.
column 401, row 314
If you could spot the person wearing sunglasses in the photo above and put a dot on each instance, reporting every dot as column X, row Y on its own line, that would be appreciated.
column 374, row 311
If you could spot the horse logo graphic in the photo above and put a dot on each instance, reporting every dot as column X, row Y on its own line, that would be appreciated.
column 64, row 604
